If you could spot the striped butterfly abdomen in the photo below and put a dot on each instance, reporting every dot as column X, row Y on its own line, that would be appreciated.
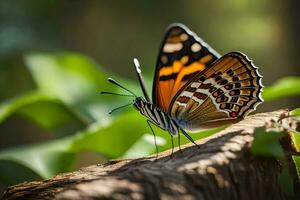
column 156, row 115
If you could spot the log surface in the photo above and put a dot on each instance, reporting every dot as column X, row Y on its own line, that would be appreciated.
column 221, row 168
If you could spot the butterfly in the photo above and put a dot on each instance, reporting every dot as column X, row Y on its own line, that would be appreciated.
column 195, row 88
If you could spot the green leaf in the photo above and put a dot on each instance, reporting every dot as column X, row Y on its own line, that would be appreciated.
column 114, row 139
column 206, row 133
column 68, row 98
column 49, row 158
column 289, row 86
column 144, row 146
column 267, row 144
column 76, row 80
column 45, row 160
column 44, row 110
column 296, row 160
column 12, row 173
column 70, row 76
column 286, row 181
column 295, row 136
column 295, row 112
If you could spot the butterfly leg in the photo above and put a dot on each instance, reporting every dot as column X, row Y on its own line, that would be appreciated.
column 179, row 143
column 172, row 142
column 149, row 124
column 189, row 137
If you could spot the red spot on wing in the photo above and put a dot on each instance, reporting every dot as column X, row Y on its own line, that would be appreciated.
column 233, row 114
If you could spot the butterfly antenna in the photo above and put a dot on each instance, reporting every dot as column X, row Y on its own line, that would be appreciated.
column 113, row 110
column 141, row 80
column 117, row 94
column 118, row 84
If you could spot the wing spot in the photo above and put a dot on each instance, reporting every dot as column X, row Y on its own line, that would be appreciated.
column 242, row 103
column 184, row 36
column 234, row 99
column 234, row 92
column 233, row 114
column 206, row 59
column 205, row 86
column 226, row 106
column 170, row 48
column 235, row 78
column 196, row 47
column 237, row 85
column 228, row 86
column 230, row 72
column 164, row 59
column 236, row 108
column 195, row 85
column 202, row 78
column 200, row 95
column 191, row 89
column 218, row 92
column 222, row 98
column 183, row 99
column 223, row 82
column 218, row 78
column 212, row 89
column 187, row 94
column 245, row 98
column 184, row 59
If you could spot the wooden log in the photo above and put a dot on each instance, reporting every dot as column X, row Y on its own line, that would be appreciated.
column 221, row 168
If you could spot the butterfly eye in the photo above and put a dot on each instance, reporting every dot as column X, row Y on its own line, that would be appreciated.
column 135, row 105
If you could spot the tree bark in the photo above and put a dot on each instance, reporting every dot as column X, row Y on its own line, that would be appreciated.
column 221, row 168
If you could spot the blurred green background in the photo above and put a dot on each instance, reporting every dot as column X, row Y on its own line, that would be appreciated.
column 55, row 57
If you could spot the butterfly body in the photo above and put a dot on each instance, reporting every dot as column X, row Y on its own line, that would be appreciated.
column 156, row 116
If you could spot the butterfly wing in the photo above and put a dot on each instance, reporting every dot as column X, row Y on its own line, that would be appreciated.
column 225, row 92
column 182, row 55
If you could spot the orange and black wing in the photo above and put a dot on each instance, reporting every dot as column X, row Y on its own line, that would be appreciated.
column 181, row 57
column 225, row 92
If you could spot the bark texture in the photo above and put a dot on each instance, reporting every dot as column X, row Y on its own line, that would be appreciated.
column 221, row 168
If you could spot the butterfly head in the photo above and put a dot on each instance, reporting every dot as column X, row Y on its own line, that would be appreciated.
column 139, row 103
